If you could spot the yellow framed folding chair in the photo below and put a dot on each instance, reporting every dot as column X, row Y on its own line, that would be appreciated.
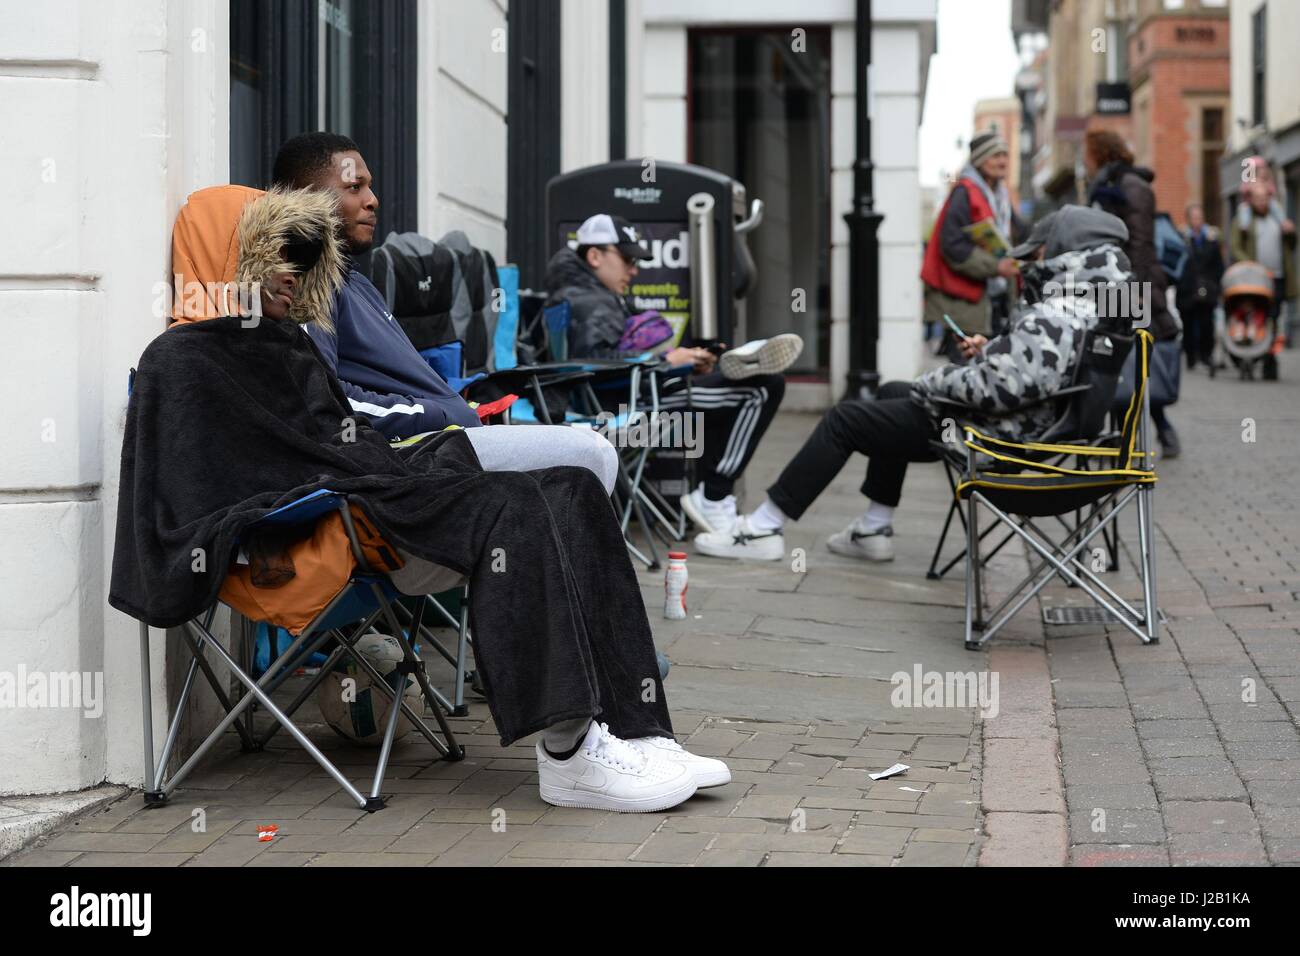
column 1021, row 483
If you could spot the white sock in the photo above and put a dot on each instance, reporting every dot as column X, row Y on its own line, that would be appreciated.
column 876, row 516
column 564, row 736
column 768, row 517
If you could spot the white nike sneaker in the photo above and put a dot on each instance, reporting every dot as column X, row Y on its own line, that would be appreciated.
column 607, row 773
column 709, row 515
column 869, row 546
column 742, row 542
column 707, row 771
column 761, row 357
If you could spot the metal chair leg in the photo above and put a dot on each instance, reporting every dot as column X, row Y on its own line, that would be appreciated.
column 458, row 703
column 146, row 695
column 1146, row 547
column 303, row 740
column 454, row 750
column 974, row 559
column 931, row 574
column 972, row 577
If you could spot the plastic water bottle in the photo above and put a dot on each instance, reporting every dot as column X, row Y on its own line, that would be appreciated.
column 675, row 586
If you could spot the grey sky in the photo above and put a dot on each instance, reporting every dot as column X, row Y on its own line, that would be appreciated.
column 976, row 60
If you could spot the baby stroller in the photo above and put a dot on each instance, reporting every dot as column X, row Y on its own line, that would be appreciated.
column 1248, row 329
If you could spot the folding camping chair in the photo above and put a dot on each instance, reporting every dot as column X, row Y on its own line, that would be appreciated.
column 643, row 376
column 1019, row 482
column 448, row 360
column 1084, row 405
column 368, row 596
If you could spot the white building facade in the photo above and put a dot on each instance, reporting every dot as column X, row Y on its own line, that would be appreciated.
column 113, row 112
column 1265, row 100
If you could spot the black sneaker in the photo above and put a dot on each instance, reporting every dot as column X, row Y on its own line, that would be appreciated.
column 1169, row 444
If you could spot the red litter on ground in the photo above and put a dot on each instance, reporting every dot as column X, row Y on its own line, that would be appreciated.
column 266, row 832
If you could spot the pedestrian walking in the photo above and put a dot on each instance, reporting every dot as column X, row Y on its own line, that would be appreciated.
column 1119, row 187
column 1199, row 287
column 1261, row 232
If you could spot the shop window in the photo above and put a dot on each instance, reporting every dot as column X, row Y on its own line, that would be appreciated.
column 760, row 113
column 1211, row 149
column 344, row 66
column 1258, row 66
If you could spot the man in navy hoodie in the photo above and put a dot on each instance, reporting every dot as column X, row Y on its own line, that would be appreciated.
column 382, row 374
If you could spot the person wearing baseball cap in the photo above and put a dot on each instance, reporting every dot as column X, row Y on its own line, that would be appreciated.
column 604, row 231
column 738, row 393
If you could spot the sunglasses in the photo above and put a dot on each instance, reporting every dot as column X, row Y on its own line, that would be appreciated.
column 627, row 260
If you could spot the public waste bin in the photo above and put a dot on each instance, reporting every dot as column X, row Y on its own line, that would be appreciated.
column 694, row 221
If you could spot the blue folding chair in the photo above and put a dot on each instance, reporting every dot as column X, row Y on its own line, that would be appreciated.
column 368, row 596
column 641, row 378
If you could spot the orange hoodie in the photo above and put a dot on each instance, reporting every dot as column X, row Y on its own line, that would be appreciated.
column 205, row 250
column 221, row 237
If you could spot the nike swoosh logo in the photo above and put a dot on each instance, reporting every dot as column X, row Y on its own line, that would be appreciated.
column 593, row 778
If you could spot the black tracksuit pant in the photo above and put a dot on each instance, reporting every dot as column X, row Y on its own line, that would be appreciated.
column 891, row 430
column 736, row 414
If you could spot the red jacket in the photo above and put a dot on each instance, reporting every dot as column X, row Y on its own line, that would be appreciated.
column 935, row 271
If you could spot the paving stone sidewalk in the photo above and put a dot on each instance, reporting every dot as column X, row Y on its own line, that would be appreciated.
column 1103, row 752
column 1188, row 753
column 784, row 673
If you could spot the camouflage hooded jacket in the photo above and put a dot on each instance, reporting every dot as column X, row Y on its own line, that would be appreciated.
column 1038, row 355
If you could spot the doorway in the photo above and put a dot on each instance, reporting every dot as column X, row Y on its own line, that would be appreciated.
column 759, row 111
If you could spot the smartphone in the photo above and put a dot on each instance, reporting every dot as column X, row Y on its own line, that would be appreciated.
column 956, row 330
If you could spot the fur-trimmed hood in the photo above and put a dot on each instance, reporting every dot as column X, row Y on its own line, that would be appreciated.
column 227, row 234
column 267, row 223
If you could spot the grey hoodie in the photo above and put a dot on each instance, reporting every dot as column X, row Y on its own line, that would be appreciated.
column 1038, row 356
column 597, row 315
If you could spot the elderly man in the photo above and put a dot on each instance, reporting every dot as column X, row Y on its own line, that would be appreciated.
column 964, row 280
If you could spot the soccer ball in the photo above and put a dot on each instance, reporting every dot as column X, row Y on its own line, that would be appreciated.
column 349, row 704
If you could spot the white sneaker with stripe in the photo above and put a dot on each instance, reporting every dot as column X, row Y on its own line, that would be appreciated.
column 761, row 357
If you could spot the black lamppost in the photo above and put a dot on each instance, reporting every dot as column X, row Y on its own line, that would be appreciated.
column 863, row 222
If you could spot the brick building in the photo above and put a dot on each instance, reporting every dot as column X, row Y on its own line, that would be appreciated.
column 1154, row 71
column 1180, row 78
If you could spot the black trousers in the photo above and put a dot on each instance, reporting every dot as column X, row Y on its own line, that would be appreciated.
column 560, row 627
column 891, row 430
column 736, row 415
column 1198, row 332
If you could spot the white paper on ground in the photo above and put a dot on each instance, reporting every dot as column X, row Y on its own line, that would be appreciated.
column 893, row 771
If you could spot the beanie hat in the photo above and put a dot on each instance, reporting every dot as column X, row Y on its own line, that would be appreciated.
column 984, row 145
